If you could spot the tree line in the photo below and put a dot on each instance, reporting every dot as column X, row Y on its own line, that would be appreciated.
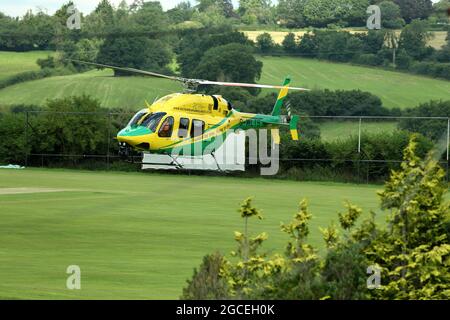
column 407, row 51
column 144, row 36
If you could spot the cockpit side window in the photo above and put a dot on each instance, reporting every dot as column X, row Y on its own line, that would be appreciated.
column 166, row 128
column 151, row 121
column 183, row 129
column 138, row 116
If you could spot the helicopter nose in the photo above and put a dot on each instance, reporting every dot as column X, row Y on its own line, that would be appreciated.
column 133, row 135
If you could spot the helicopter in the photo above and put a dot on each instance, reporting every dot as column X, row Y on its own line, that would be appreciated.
column 194, row 124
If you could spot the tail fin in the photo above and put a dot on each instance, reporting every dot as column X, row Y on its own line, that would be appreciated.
column 283, row 93
column 293, row 127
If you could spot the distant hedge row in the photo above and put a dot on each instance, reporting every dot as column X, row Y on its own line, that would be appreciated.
column 33, row 75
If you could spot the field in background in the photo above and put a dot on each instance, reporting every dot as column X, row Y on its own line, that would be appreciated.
column 335, row 130
column 436, row 42
column 139, row 236
column 394, row 88
column 12, row 63
column 112, row 92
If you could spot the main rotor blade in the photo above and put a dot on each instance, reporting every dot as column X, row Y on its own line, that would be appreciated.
column 133, row 70
column 187, row 82
column 247, row 85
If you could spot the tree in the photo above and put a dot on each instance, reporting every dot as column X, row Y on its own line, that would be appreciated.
column 62, row 131
column 352, row 12
column 182, row 12
column 256, row 11
column 390, row 15
column 434, row 129
column 373, row 41
column 232, row 62
column 224, row 6
column 309, row 45
column 135, row 52
column 148, row 17
column 414, row 252
column 290, row 43
column 265, row 43
column 440, row 11
column 206, row 282
column 251, row 268
column 290, row 13
column 414, row 38
column 319, row 13
column 414, row 9
column 193, row 46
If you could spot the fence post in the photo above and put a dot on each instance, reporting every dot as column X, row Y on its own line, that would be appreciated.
column 359, row 151
column 359, row 136
column 448, row 146
column 26, row 138
column 109, row 139
column 448, row 137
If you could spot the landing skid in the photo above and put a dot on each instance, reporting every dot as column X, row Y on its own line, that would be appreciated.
column 174, row 163
column 217, row 164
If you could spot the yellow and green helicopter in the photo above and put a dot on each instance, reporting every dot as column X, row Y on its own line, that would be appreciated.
column 195, row 122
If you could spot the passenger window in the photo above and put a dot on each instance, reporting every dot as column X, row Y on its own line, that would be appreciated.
column 165, row 131
column 183, row 129
column 197, row 128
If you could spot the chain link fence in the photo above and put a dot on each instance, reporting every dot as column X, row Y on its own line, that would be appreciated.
column 347, row 150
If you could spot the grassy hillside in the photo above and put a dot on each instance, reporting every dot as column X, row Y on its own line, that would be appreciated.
column 16, row 62
column 394, row 88
column 139, row 236
column 113, row 92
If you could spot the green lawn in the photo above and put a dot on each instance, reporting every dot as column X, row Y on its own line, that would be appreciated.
column 16, row 62
column 334, row 130
column 394, row 88
column 139, row 236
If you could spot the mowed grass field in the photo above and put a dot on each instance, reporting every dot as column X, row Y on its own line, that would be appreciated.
column 136, row 235
column 394, row 88
column 112, row 92
column 16, row 62
column 335, row 130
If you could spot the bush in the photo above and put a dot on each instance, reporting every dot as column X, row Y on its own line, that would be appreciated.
column 265, row 43
column 434, row 69
column 369, row 59
column 403, row 60
column 290, row 43
column 206, row 283
column 339, row 102
column 433, row 129
column 13, row 147
column 33, row 75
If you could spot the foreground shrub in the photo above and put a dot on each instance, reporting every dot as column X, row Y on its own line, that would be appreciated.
column 412, row 251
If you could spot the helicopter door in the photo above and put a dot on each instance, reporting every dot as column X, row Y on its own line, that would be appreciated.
column 165, row 131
